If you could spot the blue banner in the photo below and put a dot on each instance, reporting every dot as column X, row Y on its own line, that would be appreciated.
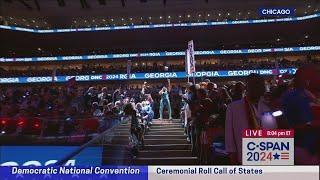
column 160, row 172
column 78, row 172
column 163, row 54
column 48, row 155
column 276, row 11
column 131, row 27
column 146, row 76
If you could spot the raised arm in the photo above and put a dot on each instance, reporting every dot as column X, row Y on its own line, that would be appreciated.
column 161, row 91
column 144, row 88
column 169, row 86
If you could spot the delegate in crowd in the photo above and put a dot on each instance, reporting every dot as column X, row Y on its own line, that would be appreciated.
column 209, row 113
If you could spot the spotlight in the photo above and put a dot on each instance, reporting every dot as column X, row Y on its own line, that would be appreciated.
column 3, row 122
column 37, row 125
column 277, row 113
column 21, row 122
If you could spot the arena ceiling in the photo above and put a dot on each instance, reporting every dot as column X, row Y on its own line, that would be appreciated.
column 131, row 7
column 146, row 40
column 63, row 12
column 206, row 38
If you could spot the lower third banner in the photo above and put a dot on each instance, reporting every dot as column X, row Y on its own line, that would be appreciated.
column 159, row 172
column 73, row 172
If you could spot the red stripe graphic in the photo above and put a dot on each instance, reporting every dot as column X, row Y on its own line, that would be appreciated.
column 284, row 156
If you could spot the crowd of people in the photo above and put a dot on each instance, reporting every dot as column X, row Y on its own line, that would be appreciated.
column 143, row 67
column 211, row 113
column 67, row 108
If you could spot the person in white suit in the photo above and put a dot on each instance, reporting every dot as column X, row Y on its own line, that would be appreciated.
column 251, row 112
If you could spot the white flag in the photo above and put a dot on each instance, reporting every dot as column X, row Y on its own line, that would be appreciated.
column 186, row 62
column 191, row 60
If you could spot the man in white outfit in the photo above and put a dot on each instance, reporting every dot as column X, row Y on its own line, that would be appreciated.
column 247, row 113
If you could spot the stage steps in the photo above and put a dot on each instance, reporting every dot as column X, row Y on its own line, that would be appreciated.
column 166, row 144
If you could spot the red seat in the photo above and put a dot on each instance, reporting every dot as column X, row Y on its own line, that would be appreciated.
column 90, row 125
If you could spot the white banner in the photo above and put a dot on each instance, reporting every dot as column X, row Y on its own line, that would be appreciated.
column 233, row 172
column 190, row 58
column 187, row 62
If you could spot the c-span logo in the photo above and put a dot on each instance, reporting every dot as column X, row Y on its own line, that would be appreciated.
column 268, row 147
